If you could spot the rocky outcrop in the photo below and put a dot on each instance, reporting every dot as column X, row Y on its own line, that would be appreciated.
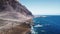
column 14, row 18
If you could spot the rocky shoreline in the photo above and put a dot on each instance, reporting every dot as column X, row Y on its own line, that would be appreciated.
column 14, row 18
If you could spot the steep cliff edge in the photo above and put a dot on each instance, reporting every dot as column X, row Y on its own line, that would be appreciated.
column 14, row 18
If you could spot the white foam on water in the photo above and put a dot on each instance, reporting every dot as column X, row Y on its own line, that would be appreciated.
column 38, row 25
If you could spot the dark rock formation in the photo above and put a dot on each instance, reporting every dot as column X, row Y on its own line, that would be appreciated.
column 14, row 18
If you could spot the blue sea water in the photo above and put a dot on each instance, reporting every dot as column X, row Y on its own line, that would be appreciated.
column 48, row 24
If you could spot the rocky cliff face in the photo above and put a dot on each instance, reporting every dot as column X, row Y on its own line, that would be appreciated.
column 14, row 18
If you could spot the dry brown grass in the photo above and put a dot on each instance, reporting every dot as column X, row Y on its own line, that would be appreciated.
column 16, row 30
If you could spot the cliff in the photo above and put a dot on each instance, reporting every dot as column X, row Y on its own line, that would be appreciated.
column 14, row 18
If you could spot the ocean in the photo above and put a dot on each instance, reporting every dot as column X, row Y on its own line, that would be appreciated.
column 46, row 24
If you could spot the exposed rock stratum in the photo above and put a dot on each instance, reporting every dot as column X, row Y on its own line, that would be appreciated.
column 14, row 18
